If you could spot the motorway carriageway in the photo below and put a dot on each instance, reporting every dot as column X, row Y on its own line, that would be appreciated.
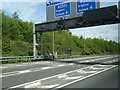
column 55, row 74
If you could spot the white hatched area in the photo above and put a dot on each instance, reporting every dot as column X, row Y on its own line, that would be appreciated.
column 64, row 79
column 68, row 77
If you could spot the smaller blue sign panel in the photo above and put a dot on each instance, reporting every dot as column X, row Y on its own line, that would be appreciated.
column 53, row 2
column 62, row 9
column 84, row 5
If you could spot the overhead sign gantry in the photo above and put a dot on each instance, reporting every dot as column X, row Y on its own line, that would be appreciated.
column 62, row 16
column 95, row 17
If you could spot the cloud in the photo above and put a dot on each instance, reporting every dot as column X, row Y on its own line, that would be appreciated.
column 27, row 11
column 109, row 32
column 109, row 0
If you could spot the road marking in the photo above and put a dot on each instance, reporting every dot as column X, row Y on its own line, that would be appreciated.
column 17, row 86
column 14, row 73
column 62, row 76
column 24, row 64
column 24, row 71
column 112, row 61
column 84, row 72
column 35, row 69
column 9, row 73
column 76, row 77
column 57, row 66
column 61, row 65
column 95, row 60
column 65, row 75
column 48, row 62
column 84, row 78
column 0, row 75
column 95, row 68
column 49, row 86
column 32, row 85
column 44, row 68
column 3, row 67
column 20, row 65
column 71, row 64
column 31, row 70
column 77, row 59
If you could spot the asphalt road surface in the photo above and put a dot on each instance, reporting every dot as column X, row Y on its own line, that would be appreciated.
column 85, row 72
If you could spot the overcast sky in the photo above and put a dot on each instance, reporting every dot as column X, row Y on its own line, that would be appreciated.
column 35, row 11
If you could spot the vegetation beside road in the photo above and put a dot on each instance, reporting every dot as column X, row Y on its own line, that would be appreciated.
column 17, row 40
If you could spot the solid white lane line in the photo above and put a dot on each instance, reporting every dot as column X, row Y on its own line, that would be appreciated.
column 111, row 61
column 77, row 59
column 94, row 60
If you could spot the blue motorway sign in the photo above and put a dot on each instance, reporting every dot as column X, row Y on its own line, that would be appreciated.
column 84, row 5
column 53, row 2
column 62, row 9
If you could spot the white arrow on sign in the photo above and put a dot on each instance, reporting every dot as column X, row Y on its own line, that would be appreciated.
column 66, row 12
column 58, row 6
column 91, row 7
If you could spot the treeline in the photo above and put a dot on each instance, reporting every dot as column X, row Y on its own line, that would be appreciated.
column 16, row 36
column 66, row 43
column 17, row 40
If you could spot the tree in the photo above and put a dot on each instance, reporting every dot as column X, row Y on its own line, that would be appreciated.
column 15, row 15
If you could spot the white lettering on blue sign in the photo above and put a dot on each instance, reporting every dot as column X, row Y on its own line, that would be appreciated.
column 84, row 5
column 62, row 9
column 54, row 2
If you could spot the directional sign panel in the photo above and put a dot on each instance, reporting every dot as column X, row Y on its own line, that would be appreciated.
column 62, row 9
column 66, row 9
column 53, row 2
column 50, row 3
column 84, row 5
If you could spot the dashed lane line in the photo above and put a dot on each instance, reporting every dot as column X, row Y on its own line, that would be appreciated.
column 63, row 75
column 47, row 62
column 24, row 64
column 33, row 70
column 51, row 67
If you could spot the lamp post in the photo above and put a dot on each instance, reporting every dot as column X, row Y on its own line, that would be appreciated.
column 34, row 42
column 53, row 45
